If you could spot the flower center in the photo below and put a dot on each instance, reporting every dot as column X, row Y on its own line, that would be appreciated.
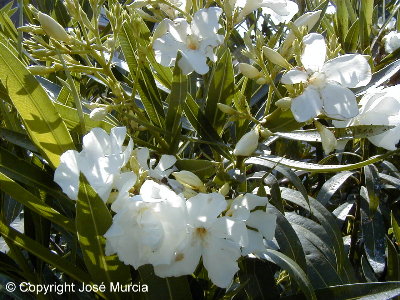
column 201, row 232
column 192, row 42
column 318, row 79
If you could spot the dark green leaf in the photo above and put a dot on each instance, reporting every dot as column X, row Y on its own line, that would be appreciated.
column 331, row 186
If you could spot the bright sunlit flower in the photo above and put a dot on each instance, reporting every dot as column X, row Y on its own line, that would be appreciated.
column 243, row 208
column 100, row 160
column 162, row 170
column 392, row 41
column 148, row 228
column 327, row 83
column 196, row 41
column 380, row 107
column 280, row 11
column 216, row 239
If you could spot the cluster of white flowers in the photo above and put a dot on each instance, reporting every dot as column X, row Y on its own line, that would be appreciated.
column 392, row 41
column 160, row 225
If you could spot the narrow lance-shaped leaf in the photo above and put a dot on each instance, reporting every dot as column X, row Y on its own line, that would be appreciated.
column 92, row 221
column 45, row 127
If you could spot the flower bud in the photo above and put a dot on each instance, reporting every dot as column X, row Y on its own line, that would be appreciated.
column 40, row 70
column 226, row 109
column 261, row 81
column 274, row 57
column 99, row 113
column 53, row 28
column 247, row 144
column 189, row 179
column 248, row 71
column 284, row 103
column 265, row 133
column 328, row 139
column 224, row 190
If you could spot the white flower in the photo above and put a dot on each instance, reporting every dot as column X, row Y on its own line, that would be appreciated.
column 243, row 208
column 392, row 41
column 216, row 239
column 247, row 144
column 162, row 170
column 328, row 139
column 195, row 41
column 281, row 11
column 327, row 82
column 100, row 160
column 99, row 113
column 331, row 9
column 380, row 107
column 390, row 25
column 148, row 228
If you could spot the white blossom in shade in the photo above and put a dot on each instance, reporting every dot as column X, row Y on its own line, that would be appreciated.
column 392, row 41
column 100, row 160
column 196, row 41
column 390, row 25
column 331, row 9
column 327, row 82
column 163, row 169
column 281, row 11
column 379, row 107
column 243, row 208
column 216, row 239
column 148, row 228
column 247, row 144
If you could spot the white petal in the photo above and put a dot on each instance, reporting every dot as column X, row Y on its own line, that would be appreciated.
column 387, row 140
column 229, row 228
column 204, row 209
column 256, row 243
column 205, row 22
column 166, row 48
column 142, row 157
column 264, row 222
column 350, row 70
column 314, row 53
column 184, row 262
column 339, row 102
column 67, row 174
column 220, row 260
column 193, row 60
column 294, row 76
column 250, row 201
column 96, row 143
column 306, row 106
column 281, row 13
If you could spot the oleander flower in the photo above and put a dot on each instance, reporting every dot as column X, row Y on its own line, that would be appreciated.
column 243, row 208
column 379, row 107
column 280, row 11
column 101, row 160
column 148, row 228
column 216, row 239
column 327, row 82
column 247, row 144
column 392, row 41
column 163, row 169
column 196, row 41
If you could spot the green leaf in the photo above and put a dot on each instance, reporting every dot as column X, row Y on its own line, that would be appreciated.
column 366, row 13
column 288, row 240
column 393, row 261
column 396, row 227
column 172, row 288
column 221, row 90
column 351, row 40
column 296, row 273
column 34, row 204
column 201, row 167
column 43, row 253
column 330, row 187
column 200, row 123
column 367, row 270
column 371, row 177
column 373, row 233
column 92, row 221
column 176, row 99
column 19, row 139
column 362, row 291
column 300, row 165
column 342, row 19
column 45, row 127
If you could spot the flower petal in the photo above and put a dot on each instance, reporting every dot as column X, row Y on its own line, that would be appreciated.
column 314, row 53
column 67, row 174
column 256, row 243
column 193, row 60
column 220, row 260
column 339, row 102
column 205, row 22
column 306, row 106
column 294, row 76
column 232, row 229
column 350, row 70
column 96, row 143
column 264, row 222
column 204, row 209
column 280, row 12
column 166, row 48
